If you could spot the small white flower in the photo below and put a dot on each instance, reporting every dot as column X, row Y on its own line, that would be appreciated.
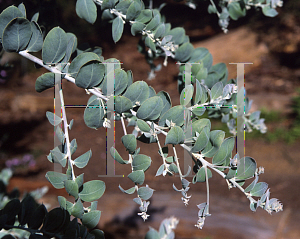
column 144, row 215
column 106, row 123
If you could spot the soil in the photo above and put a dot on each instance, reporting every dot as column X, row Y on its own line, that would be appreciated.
column 24, row 129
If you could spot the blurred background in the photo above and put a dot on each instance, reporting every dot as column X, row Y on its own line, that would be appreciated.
column 272, row 81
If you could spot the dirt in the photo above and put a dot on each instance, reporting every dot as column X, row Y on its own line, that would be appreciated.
column 24, row 129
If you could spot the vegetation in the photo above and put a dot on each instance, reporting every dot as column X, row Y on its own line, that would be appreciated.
column 203, row 87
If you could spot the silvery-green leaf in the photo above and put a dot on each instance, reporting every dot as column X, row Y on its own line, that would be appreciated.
column 201, row 176
column 129, row 77
column 145, row 193
column 137, row 92
column 91, row 219
column 46, row 81
column 186, row 95
column 137, row 177
column 174, row 114
column 251, row 185
column 83, row 160
column 79, row 180
column 202, row 140
column 22, row 8
column 16, row 35
column 259, row 189
column 90, row 75
column 128, row 191
column 36, row 41
column 71, row 48
column 60, row 134
column 137, row 27
column 129, row 142
column 160, row 170
column 81, row 60
column 77, row 210
column 107, row 4
column 143, row 126
column 117, row 29
column 92, row 190
column 59, row 157
column 184, row 52
column 35, row 17
column 144, row 16
column 150, row 108
column 150, row 43
column 56, row 179
column 73, row 146
column 7, row 15
column 93, row 114
column 160, row 31
column 178, row 35
column 114, row 153
column 71, row 188
column 246, row 168
column 54, row 47
column 87, row 10
column 53, row 119
column 217, row 137
column 198, row 125
column 268, row 11
column 120, row 82
column 122, row 104
column 153, row 23
column 199, row 110
column 151, row 92
column 133, row 11
column 175, row 136
column 152, row 234
column 235, row 10
column 224, row 151
column 166, row 101
column 62, row 201
column 216, row 90
column 141, row 162
column 122, row 6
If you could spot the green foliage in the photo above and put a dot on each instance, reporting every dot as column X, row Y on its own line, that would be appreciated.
column 207, row 90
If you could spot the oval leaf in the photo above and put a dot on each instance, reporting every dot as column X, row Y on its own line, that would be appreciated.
column 91, row 219
column 246, row 168
column 87, row 10
column 141, row 162
column 174, row 114
column 94, row 113
column 259, row 189
column 83, row 160
column 71, row 188
column 117, row 29
column 54, row 47
column 114, row 153
column 7, row 15
column 90, row 75
column 137, row 177
column 186, row 95
column 130, row 143
column 145, row 193
column 137, row 92
column 16, row 35
column 92, row 190
column 122, row 104
column 36, row 41
column 175, row 136
column 150, row 109
column 56, row 179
